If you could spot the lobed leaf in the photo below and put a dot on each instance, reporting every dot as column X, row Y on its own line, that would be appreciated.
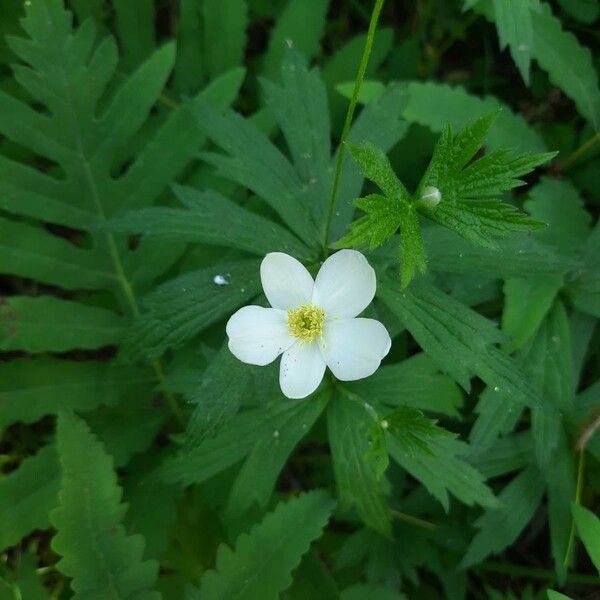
column 96, row 553
column 260, row 567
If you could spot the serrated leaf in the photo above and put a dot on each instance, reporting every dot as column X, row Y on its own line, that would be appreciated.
column 182, row 307
column 512, row 452
column 32, row 388
column 468, row 187
column 254, row 162
column 437, row 105
column 27, row 495
column 231, row 444
column 526, row 303
column 411, row 429
column 256, row 480
column 202, row 222
column 518, row 256
column 260, row 566
column 499, row 527
column 415, row 382
column 357, row 483
column 49, row 324
column 586, row 11
column 300, row 108
column 386, row 214
column 89, row 135
column 461, row 344
column 515, row 29
column 588, row 528
column 558, row 203
column 568, row 63
column 101, row 559
column 443, row 470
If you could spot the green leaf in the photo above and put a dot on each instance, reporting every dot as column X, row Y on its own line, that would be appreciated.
column 518, row 256
column 135, row 27
column 128, row 428
column 300, row 109
column 438, row 105
column 27, row 496
column 526, row 303
column 515, row 29
column 32, row 388
column 89, row 135
column 380, row 123
column 48, row 324
column 411, row 429
column 584, row 290
column 560, row 482
column 512, row 452
column 586, row 11
column 217, row 396
column 300, row 25
column 467, row 187
column 232, row 443
column 28, row 251
column 558, row 203
column 569, row 65
column 260, row 567
column 372, row 591
column 252, row 161
column 461, row 344
column 202, row 222
column 224, row 34
column 551, row 371
column 101, row 559
column 415, row 382
column 500, row 526
column 189, row 71
column 256, row 480
column 179, row 309
column 386, row 214
column 552, row 595
column 588, row 528
column 356, row 478
column 442, row 470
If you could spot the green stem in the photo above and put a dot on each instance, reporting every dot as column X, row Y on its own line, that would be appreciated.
column 578, row 489
column 364, row 61
column 574, row 156
column 412, row 520
column 534, row 573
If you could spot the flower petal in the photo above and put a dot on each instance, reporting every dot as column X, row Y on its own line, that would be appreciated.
column 353, row 348
column 286, row 282
column 258, row 335
column 345, row 285
column 302, row 369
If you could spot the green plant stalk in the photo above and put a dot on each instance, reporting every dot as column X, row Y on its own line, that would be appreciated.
column 364, row 61
column 578, row 490
column 534, row 573
column 576, row 154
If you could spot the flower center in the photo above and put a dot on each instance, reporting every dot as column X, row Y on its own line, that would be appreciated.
column 306, row 322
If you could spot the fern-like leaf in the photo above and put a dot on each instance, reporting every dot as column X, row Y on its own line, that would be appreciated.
column 101, row 559
column 260, row 566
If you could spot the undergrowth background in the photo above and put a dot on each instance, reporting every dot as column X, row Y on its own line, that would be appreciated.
column 151, row 153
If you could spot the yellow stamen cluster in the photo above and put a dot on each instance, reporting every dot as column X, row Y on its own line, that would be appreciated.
column 306, row 322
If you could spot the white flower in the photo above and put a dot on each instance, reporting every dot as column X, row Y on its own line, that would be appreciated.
column 312, row 323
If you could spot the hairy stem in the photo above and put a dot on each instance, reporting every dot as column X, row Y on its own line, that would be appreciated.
column 364, row 61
